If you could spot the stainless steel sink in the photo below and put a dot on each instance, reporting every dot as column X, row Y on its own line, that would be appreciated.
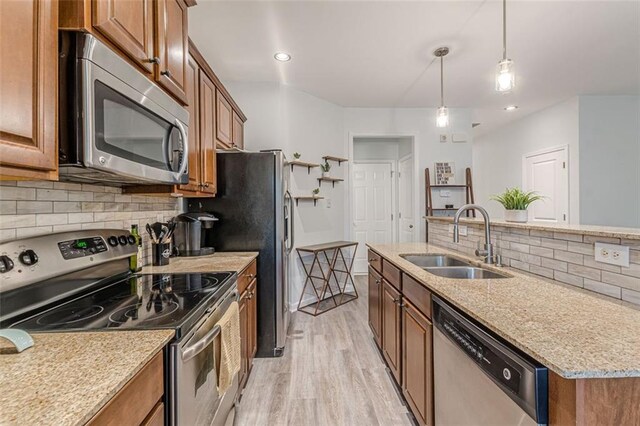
column 434, row 260
column 465, row 273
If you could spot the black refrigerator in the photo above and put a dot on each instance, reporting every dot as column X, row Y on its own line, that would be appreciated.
column 255, row 213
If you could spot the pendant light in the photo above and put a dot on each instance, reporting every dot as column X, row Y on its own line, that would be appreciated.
column 505, row 75
column 442, row 117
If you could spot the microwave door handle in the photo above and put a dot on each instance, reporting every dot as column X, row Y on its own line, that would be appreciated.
column 185, row 148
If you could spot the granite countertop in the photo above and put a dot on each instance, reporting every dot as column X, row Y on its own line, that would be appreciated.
column 574, row 334
column 594, row 230
column 217, row 262
column 66, row 378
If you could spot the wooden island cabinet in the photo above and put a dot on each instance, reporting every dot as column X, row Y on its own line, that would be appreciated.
column 248, row 306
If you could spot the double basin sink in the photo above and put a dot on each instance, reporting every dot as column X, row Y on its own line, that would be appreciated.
column 451, row 267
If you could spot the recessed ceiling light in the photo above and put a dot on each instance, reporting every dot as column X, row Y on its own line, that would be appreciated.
column 511, row 107
column 282, row 57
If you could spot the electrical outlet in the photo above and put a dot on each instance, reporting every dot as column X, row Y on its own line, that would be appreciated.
column 612, row 254
column 462, row 230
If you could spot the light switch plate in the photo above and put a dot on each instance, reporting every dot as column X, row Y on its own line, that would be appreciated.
column 459, row 138
column 462, row 230
column 612, row 254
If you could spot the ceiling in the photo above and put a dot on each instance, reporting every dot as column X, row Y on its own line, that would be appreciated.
column 379, row 53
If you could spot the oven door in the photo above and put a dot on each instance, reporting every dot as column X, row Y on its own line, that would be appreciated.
column 128, row 134
column 194, row 362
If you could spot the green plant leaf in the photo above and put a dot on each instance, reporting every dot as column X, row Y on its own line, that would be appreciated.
column 516, row 199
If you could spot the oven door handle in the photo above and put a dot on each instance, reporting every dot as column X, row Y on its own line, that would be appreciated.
column 199, row 346
column 185, row 148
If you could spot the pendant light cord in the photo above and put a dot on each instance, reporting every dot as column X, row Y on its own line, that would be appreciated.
column 504, row 29
column 441, row 81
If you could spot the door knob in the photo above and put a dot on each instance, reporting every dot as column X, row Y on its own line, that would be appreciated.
column 410, row 226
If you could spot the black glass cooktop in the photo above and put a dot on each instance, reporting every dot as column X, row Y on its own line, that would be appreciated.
column 139, row 301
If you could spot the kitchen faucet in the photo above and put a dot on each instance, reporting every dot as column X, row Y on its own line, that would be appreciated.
column 487, row 252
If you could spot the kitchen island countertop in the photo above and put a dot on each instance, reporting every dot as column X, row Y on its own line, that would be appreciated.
column 66, row 378
column 574, row 334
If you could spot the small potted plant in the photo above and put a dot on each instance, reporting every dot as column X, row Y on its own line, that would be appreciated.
column 297, row 155
column 325, row 168
column 316, row 192
column 516, row 202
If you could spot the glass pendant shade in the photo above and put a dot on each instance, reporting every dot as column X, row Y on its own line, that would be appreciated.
column 442, row 119
column 505, row 76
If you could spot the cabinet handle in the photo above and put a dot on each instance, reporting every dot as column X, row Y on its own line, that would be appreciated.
column 372, row 260
column 206, row 185
column 378, row 281
column 154, row 60
column 397, row 301
column 250, row 276
column 166, row 73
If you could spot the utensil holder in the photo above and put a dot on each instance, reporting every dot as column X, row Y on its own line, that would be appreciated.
column 160, row 254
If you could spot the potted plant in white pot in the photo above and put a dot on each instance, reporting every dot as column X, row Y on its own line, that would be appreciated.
column 325, row 169
column 516, row 202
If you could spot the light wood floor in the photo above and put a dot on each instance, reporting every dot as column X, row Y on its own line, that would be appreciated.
column 330, row 374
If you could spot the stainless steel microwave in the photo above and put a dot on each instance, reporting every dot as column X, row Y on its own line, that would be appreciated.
column 115, row 125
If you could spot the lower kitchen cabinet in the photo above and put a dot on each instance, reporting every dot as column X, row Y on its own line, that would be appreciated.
column 248, row 306
column 375, row 313
column 139, row 402
column 417, row 363
column 391, row 330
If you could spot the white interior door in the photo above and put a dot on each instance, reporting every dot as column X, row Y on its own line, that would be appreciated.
column 547, row 173
column 406, row 216
column 372, row 208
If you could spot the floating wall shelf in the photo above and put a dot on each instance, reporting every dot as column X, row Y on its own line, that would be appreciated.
column 308, row 198
column 339, row 160
column 299, row 163
column 329, row 179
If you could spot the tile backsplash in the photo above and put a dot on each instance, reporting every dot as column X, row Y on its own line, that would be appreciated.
column 564, row 257
column 39, row 207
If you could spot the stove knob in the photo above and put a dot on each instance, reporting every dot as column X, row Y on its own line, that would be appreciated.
column 6, row 264
column 113, row 241
column 131, row 239
column 122, row 239
column 28, row 257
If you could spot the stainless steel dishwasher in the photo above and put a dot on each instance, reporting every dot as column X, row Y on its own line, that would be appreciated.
column 481, row 381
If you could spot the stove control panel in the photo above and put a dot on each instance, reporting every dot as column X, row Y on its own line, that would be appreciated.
column 81, row 247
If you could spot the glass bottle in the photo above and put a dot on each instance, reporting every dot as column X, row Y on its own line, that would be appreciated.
column 136, row 260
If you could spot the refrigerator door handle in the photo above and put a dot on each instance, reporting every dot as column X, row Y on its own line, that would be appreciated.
column 289, row 229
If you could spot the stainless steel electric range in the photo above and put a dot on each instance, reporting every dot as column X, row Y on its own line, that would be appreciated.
column 79, row 281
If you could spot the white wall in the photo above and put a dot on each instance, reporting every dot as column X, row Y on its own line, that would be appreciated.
column 610, row 160
column 418, row 122
column 497, row 156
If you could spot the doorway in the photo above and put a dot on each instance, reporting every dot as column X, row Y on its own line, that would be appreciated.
column 383, row 182
column 547, row 173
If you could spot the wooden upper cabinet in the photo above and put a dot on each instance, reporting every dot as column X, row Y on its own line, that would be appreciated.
column 129, row 25
column 172, row 47
column 192, row 90
column 237, row 136
column 224, row 120
column 28, row 89
column 207, row 134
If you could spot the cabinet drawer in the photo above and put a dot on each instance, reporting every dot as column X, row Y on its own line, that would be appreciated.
column 246, row 276
column 374, row 260
column 391, row 274
column 133, row 404
column 417, row 294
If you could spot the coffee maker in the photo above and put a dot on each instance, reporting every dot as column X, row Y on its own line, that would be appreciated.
column 190, row 234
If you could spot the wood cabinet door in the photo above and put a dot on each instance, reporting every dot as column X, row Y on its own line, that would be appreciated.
column 244, row 321
column 129, row 25
column 224, row 115
column 252, row 322
column 391, row 332
column 192, row 87
column 417, row 364
column 375, row 297
column 172, row 47
column 237, row 136
column 207, row 134
column 28, row 88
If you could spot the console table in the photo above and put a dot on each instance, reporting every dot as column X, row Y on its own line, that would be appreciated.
column 329, row 290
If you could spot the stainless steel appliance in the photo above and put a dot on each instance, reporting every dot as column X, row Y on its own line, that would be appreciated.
column 116, row 126
column 77, row 281
column 255, row 212
column 479, row 380
column 189, row 236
